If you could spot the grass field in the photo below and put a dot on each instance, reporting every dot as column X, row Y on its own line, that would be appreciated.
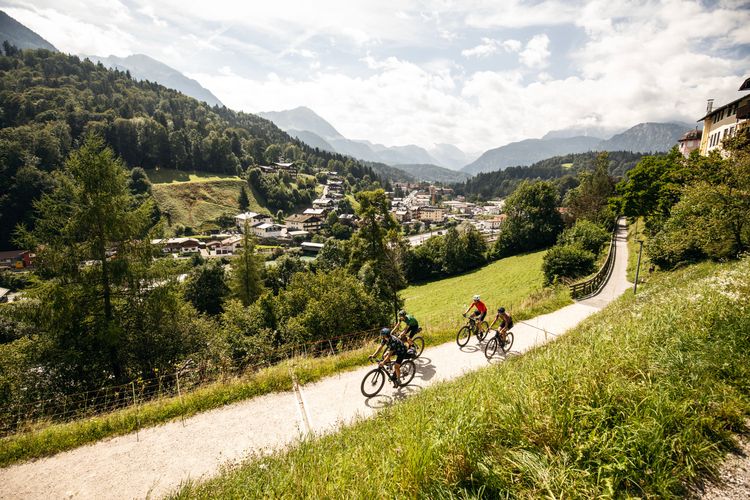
column 514, row 283
column 433, row 301
column 635, row 233
column 196, row 203
column 168, row 176
column 639, row 401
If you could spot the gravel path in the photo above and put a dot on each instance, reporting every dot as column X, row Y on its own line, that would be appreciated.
column 734, row 476
column 156, row 460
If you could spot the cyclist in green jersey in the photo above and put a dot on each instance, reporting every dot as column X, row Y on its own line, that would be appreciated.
column 410, row 329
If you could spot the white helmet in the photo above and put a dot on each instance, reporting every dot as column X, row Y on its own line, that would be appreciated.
column 476, row 297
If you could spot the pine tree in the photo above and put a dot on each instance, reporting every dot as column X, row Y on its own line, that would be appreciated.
column 243, row 200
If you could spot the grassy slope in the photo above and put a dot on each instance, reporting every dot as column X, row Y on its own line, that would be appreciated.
column 633, row 248
column 196, row 202
column 508, row 282
column 525, row 272
column 639, row 400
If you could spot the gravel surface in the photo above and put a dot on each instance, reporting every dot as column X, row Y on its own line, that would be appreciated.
column 734, row 476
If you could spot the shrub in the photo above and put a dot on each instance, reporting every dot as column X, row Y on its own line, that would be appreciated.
column 567, row 261
column 588, row 235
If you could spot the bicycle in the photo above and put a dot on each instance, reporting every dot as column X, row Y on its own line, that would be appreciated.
column 417, row 343
column 479, row 329
column 373, row 381
column 502, row 342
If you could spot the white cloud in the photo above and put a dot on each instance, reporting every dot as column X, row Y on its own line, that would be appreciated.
column 512, row 45
column 536, row 53
column 485, row 49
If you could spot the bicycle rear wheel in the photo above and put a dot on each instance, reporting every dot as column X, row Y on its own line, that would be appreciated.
column 508, row 342
column 491, row 348
column 408, row 369
column 463, row 336
column 418, row 343
column 373, row 382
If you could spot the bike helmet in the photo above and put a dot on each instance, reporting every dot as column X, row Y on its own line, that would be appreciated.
column 501, row 310
column 385, row 331
column 476, row 298
column 402, row 313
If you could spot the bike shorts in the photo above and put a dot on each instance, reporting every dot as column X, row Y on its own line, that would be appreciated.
column 412, row 331
column 401, row 357
column 480, row 316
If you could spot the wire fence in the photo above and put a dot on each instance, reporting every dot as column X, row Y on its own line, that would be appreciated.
column 24, row 415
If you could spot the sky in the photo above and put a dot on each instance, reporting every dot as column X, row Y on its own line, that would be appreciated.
column 474, row 73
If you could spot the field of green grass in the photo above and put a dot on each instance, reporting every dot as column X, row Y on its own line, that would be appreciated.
column 169, row 175
column 640, row 400
column 514, row 283
column 196, row 203
column 525, row 294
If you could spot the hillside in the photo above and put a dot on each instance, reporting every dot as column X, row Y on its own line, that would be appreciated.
column 642, row 138
column 194, row 199
column 48, row 107
column 527, row 152
column 610, row 409
column 19, row 35
column 143, row 67
column 501, row 183
column 433, row 173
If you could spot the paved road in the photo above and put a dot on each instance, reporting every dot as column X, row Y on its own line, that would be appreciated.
column 155, row 461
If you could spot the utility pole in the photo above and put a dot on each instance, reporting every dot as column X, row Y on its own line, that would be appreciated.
column 638, row 268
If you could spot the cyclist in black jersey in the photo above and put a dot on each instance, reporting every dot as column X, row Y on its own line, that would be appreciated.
column 393, row 346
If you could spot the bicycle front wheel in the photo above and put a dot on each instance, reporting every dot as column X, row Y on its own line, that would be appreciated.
column 508, row 342
column 408, row 369
column 373, row 382
column 418, row 343
column 491, row 348
column 463, row 336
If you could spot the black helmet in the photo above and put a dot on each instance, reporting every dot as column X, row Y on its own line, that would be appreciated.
column 501, row 310
column 385, row 331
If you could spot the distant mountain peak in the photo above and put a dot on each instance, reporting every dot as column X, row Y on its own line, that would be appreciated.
column 143, row 67
column 302, row 118
column 19, row 35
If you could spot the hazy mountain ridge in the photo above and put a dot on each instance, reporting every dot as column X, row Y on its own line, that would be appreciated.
column 642, row 138
column 303, row 122
column 143, row 67
column 433, row 173
column 19, row 35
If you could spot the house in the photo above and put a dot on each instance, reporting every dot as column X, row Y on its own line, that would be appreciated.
column 304, row 222
column 496, row 222
column 724, row 121
column 430, row 214
column 314, row 248
column 15, row 259
column 298, row 235
column 230, row 245
column 286, row 167
column 250, row 218
column 178, row 245
column 348, row 219
column 689, row 142
column 269, row 230
column 402, row 215
column 320, row 212
column 323, row 203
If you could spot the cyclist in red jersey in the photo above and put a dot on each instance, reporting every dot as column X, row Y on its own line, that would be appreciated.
column 481, row 311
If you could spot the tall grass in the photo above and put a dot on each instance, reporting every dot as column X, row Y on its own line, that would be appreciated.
column 640, row 400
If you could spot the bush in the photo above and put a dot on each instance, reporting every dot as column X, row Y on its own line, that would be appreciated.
column 567, row 261
column 588, row 235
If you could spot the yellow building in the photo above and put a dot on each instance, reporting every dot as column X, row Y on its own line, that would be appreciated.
column 724, row 121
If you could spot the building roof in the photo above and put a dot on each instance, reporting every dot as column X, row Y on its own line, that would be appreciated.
column 314, row 211
column 691, row 135
column 716, row 110
column 312, row 246
column 12, row 254
column 300, row 217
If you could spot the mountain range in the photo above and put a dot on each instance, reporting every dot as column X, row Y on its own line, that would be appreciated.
column 642, row 138
column 309, row 127
column 19, row 35
column 143, row 67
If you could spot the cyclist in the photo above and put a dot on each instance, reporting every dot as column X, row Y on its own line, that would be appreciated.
column 392, row 346
column 481, row 311
column 506, row 322
column 410, row 329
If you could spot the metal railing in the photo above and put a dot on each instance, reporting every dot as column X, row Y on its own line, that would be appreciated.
column 593, row 285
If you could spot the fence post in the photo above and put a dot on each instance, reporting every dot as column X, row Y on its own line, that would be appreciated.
column 179, row 394
column 137, row 416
